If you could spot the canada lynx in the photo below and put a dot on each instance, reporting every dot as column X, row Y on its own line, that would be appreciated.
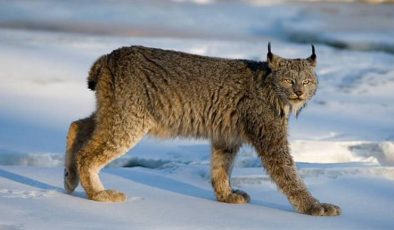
column 165, row 93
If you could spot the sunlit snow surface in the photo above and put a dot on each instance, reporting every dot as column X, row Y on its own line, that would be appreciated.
column 342, row 141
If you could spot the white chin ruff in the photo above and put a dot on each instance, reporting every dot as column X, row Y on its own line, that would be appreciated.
column 295, row 107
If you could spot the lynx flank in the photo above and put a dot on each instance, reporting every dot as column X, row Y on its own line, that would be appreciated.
column 163, row 93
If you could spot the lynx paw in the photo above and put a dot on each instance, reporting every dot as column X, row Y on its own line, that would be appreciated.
column 323, row 209
column 236, row 197
column 108, row 196
column 71, row 180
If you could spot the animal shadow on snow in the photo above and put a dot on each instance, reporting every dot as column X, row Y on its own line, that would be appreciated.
column 34, row 183
column 164, row 183
column 27, row 181
column 168, row 184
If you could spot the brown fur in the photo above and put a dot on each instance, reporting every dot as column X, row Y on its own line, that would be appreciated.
column 167, row 94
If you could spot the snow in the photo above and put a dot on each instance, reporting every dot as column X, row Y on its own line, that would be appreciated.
column 342, row 141
column 34, row 199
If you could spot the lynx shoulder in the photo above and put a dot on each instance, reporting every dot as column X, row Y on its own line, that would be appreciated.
column 146, row 91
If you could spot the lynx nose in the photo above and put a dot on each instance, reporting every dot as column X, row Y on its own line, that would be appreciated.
column 299, row 93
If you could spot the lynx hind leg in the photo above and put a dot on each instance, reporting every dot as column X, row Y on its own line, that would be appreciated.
column 108, row 142
column 221, row 165
column 78, row 133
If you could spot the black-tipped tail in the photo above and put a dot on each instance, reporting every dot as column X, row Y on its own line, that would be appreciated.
column 92, row 85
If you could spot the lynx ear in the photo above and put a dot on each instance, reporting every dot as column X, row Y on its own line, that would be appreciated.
column 312, row 59
column 272, row 59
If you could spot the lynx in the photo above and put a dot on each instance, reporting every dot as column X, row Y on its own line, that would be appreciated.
column 167, row 94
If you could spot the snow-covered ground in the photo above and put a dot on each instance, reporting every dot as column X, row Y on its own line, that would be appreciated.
column 343, row 140
column 32, row 198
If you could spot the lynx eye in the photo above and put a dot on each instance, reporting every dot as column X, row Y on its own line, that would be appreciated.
column 288, row 81
column 306, row 82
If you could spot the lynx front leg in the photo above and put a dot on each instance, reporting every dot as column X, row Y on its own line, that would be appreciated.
column 221, row 166
column 78, row 133
column 274, row 153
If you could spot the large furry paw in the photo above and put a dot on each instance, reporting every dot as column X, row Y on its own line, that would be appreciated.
column 323, row 209
column 236, row 197
column 71, row 180
column 108, row 196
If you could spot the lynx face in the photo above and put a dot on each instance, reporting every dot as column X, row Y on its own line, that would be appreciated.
column 294, row 80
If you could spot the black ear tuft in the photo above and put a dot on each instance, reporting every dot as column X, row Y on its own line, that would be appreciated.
column 269, row 54
column 92, row 85
column 313, row 56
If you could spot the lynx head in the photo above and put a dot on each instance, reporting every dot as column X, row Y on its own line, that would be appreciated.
column 293, row 80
